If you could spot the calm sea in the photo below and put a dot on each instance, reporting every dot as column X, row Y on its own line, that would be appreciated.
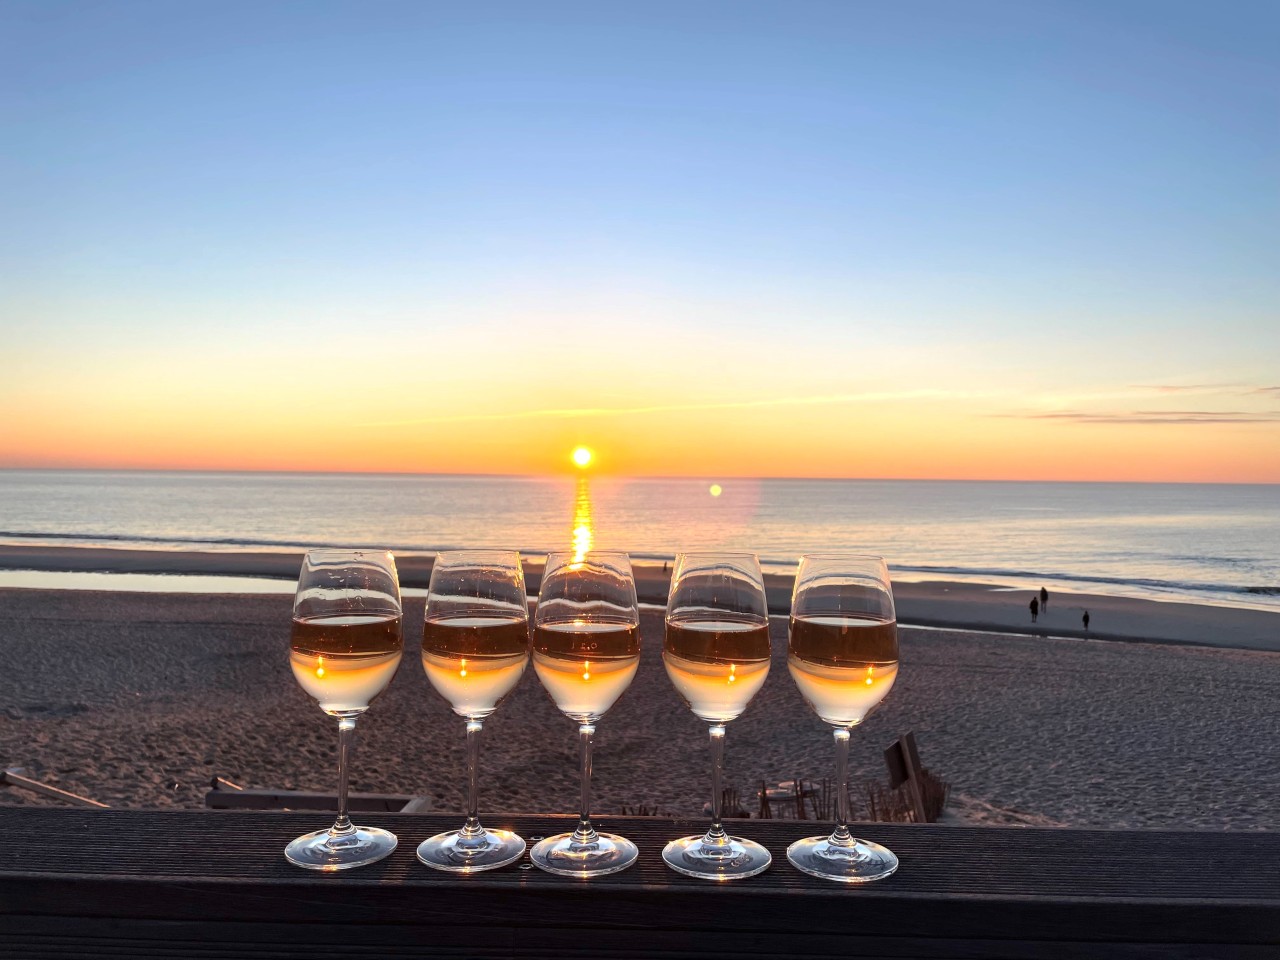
column 1211, row 543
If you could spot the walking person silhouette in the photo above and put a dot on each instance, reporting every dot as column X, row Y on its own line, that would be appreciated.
column 1044, row 599
column 1085, row 621
column 1035, row 608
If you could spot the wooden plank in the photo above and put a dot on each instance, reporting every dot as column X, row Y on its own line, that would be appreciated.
column 14, row 776
column 244, row 798
column 216, row 884
column 38, row 937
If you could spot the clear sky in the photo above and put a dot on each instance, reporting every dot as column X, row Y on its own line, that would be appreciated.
column 1017, row 239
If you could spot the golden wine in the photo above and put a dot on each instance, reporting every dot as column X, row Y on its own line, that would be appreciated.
column 586, row 665
column 844, row 666
column 717, row 666
column 475, row 661
column 345, row 661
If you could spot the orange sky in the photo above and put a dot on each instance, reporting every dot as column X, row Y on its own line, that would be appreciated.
column 172, row 425
column 657, row 388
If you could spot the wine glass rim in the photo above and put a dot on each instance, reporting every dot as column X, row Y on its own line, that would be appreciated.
column 585, row 554
column 347, row 552
column 449, row 557
column 837, row 555
column 727, row 554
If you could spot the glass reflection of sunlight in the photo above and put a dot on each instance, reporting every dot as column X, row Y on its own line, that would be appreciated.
column 582, row 533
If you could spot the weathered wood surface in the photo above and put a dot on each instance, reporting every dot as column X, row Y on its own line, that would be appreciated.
column 249, row 799
column 119, row 883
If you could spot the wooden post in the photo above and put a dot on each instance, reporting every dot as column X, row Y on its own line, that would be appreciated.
column 903, row 760
column 766, row 810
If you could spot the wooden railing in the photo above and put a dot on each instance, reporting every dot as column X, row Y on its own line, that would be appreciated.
column 113, row 883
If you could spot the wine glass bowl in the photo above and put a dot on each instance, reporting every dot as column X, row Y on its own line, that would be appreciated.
column 344, row 648
column 586, row 650
column 716, row 653
column 842, row 652
column 475, row 647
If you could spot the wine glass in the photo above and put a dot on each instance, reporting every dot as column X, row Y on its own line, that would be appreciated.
column 586, row 648
column 475, row 646
column 717, row 656
column 344, row 650
column 843, row 656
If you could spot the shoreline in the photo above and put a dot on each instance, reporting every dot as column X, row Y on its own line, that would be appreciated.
column 940, row 604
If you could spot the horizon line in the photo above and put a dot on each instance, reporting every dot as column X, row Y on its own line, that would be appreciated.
column 586, row 474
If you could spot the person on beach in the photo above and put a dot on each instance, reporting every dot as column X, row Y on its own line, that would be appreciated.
column 1035, row 608
column 1044, row 599
column 1085, row 621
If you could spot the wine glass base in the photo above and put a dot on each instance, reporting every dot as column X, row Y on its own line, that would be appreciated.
column 451, row 851
column 732, row 860
column 859, row 862
column 564, row 856
column 321, row 851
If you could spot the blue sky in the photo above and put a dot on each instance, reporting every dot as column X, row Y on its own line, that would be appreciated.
column 953, row 190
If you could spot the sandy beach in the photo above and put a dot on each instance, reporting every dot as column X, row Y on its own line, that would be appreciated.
column 138, row 699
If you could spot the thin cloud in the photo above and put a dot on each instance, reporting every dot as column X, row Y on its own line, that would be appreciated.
column 571, row 413
column 1150, row 417
column 1180, row 420
column 1196, row 413
column 1184, row 387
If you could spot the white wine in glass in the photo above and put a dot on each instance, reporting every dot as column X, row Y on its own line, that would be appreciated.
column 717, row 666
column 586, row 649
column 344, row 649
column 344, row 661
column 843, row 666
column 842, row 653
column 585, row 665
column 716, row 652
column 475, row 646
column 473, row 661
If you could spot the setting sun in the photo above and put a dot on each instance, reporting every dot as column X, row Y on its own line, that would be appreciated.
column 582, row 456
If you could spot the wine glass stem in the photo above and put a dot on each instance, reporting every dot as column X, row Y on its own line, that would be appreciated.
column 346, row 741
column 716, row 834
column 585, row 833
column 472, row 827
column 841, row 836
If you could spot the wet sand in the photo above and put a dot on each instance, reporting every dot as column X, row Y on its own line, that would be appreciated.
column 970, row 606
column 138, row 699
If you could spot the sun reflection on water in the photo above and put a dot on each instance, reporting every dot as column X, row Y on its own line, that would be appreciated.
column 583, row 537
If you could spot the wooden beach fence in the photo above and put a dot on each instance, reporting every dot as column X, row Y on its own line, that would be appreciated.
column 914, row 794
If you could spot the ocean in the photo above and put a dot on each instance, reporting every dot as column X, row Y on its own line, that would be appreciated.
column 1209, row 543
